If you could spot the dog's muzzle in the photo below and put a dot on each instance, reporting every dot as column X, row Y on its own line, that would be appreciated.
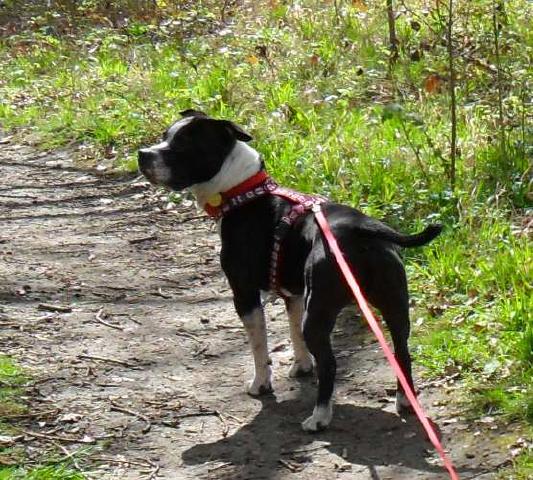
column 146, row 162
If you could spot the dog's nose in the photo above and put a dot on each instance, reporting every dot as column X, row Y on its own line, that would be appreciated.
column 146, row 157
column 144, row 153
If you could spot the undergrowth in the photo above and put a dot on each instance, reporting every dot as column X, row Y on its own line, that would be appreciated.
column 13, row 458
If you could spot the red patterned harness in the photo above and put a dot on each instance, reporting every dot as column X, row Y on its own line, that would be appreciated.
column 258, row 186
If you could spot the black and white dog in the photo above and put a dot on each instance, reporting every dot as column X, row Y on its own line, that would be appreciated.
column 210, row 157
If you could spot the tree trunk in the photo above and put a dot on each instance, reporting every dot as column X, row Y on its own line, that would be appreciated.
column 453, row 102
column 393, row 40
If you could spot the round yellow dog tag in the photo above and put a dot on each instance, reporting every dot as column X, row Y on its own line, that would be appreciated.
column 215, row 200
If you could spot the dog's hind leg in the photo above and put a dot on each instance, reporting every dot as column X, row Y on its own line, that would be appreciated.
column 303, row 362
column 399, row 327
column 318, row 324
column 387, row 290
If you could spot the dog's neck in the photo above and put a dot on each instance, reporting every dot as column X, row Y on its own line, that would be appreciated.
column 241, row 163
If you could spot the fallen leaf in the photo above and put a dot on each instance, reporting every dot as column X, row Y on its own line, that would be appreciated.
column 360, row 5
column 432, row 83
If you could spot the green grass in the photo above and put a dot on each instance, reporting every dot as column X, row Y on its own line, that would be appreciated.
column 12, row 379
column 41, row 473
column 521, row 469
column 316, row 94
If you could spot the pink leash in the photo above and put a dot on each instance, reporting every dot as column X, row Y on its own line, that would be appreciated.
column 373, row 323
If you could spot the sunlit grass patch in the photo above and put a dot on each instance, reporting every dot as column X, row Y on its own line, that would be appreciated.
column 41, row 473
column 11, row 378
column 13, row 459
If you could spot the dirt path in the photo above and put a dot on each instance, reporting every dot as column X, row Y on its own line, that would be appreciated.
column 162, row 392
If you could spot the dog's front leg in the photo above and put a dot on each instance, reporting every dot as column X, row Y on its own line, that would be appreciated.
column 302, row 364
column 254, row 323
column 253, row 319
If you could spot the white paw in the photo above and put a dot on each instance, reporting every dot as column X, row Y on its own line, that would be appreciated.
column 320, row 419
column 258, row 387
column 301, row 368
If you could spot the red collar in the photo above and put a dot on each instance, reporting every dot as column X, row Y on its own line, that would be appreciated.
column 219, row 203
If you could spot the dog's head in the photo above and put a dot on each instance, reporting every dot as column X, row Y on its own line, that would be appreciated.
column 192, row 151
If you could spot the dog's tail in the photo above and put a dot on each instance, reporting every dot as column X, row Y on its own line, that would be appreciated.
column 416, row 240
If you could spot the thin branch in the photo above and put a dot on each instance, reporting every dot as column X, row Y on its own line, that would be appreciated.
column 453, row 101
column 336, row 5
column 416, row 151
column 68, row 455
column 393, row 40
column 119, row 408
column 501, row 126
column 99, row 319
column 59, row 437
column 54, row 308
column 104, row 359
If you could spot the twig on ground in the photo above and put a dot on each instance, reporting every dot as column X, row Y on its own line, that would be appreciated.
column 104, row 359
column 68, row 455
column 306, row 449
column 160, row 293
column 220, row 326
column 164, row 405
column 54, row 308
column 59, row 438
column 32, row 415
column 135, row 241
column 225, row 427
column 289, row 466
column 3, row 383
column 207, row 413
column 182, row 333
column 139, row 462
column 105, row 458
column 120, row 408
column 9, row 441
column 492, row 469
column 190, row 219
column 128, row 316
column 176, row 283
column 99, row 318
column 218, row 467
column 155, row 469
column 238, row 420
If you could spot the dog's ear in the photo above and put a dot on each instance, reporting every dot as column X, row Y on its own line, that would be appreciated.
column 237, row 131
column 192, row 113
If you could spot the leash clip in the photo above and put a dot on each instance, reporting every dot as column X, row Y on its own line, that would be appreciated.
column 316, row 207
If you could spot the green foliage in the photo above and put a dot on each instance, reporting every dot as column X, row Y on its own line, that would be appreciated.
column 12, row 379
column 40, row 473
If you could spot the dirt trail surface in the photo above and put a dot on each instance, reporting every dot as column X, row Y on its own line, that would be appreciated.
column 148, row 363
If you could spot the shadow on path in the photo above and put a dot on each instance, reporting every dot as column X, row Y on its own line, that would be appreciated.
column 364, row 436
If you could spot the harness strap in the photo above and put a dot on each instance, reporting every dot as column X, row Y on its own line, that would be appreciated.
column 302, row 203
column 253, row 188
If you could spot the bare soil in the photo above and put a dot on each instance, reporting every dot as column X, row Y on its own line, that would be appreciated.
column 147, row 369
